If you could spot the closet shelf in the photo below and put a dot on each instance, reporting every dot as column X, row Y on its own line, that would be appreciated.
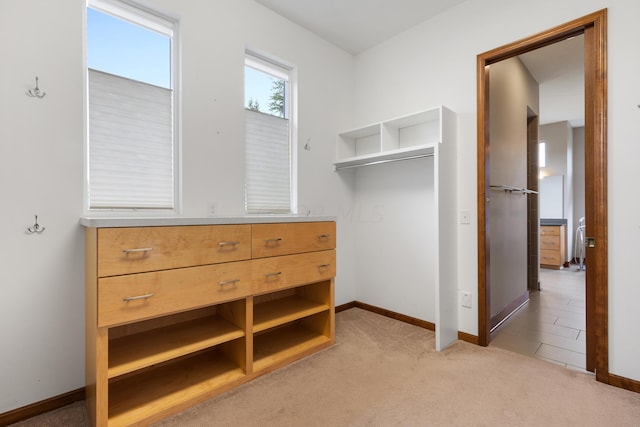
column 426, row 133
column 408, row 137
column 416, row 152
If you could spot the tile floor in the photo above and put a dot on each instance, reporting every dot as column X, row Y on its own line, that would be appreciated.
column 551, row 326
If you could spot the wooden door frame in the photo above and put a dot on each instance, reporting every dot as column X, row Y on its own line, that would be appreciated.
column 594, row 28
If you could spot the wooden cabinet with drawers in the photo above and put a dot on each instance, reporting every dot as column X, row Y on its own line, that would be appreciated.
column 552, row 246
column 178, row 314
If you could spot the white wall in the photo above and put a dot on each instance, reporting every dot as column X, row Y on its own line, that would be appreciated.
column 395, row 240
column 41, row 150
column 560, row 158
column 435, row 63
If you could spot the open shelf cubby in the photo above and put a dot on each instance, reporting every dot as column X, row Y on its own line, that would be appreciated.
column 135, row 397
column 411, row 136
column 143, row 344
column 279, row 345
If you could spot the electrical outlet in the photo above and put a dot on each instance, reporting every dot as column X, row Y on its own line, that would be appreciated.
column 466, row 299
column 465, row 216
column 211, row 208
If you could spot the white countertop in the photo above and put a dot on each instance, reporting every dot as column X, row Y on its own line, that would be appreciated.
column 105, row 221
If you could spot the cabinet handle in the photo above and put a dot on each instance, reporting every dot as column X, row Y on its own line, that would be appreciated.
column 324, row 265
column 223, row 244
column 145, row 296
column 275, row 241
column 273, row 274
column 324, row 236
column 229, row 282
column 130, row 251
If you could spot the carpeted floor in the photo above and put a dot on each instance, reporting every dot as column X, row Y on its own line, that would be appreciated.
column 383, row 372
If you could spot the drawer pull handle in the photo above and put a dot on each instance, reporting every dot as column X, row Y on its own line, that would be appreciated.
column 223, row 244
column 324, row 236
column 229, row 282
column 131, row 251
column 324, row 265
column 273, row 241
column 273, row 274
column 145, row 296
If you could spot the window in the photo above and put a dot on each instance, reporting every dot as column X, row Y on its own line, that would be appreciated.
column 131, row 155
column 269, row 140
column 542, row 154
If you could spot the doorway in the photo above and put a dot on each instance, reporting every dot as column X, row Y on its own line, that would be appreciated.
column 593, row 27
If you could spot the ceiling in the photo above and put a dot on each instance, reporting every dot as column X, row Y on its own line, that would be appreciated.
column 559, row 70
column 357, row 25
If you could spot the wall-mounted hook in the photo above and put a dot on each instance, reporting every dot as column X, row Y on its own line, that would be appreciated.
column 307, row 146
column 36, row 92
column 35, row 228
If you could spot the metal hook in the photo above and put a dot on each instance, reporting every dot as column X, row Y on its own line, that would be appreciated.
column 36, row 228
column 36, row 93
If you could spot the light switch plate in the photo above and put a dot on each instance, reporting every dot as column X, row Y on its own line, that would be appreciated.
column 466, row 299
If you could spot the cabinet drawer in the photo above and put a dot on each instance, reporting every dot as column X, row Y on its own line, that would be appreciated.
column 290, row 238
column 139, row 296
column 269, row 274
column 550, row 257
column 549, row 230
column 551, row 243
column 139, row 249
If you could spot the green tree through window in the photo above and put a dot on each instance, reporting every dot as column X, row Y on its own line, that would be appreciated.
column 276, row 104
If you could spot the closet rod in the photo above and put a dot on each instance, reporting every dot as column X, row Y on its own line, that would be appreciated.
column 379, row 162
column 510, row 189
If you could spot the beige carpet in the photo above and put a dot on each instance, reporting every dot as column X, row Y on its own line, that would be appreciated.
column 386, row 373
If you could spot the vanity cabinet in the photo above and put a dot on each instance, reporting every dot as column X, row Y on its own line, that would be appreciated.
column 553, row 248
column 178, row 314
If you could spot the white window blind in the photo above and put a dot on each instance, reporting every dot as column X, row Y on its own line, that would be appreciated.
column 131, row 151
column 268, row 163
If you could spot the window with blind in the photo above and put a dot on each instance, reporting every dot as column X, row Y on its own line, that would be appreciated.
column 268, row 136
column 131, row 155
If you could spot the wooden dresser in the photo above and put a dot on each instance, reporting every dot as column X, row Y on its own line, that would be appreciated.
column 177, row 314
column 553, row 248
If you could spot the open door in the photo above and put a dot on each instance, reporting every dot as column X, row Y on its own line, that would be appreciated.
column 593, row 27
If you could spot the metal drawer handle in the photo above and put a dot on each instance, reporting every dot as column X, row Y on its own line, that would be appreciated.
column 273, row 274
column 145, row 296
column 275, row 240
column 223, row 244
column 229, row 282
column 130, row 251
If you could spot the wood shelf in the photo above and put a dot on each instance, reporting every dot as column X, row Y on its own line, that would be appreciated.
column 280, row 345
column 279, row 312
column 140, row 396
column 133, row 352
